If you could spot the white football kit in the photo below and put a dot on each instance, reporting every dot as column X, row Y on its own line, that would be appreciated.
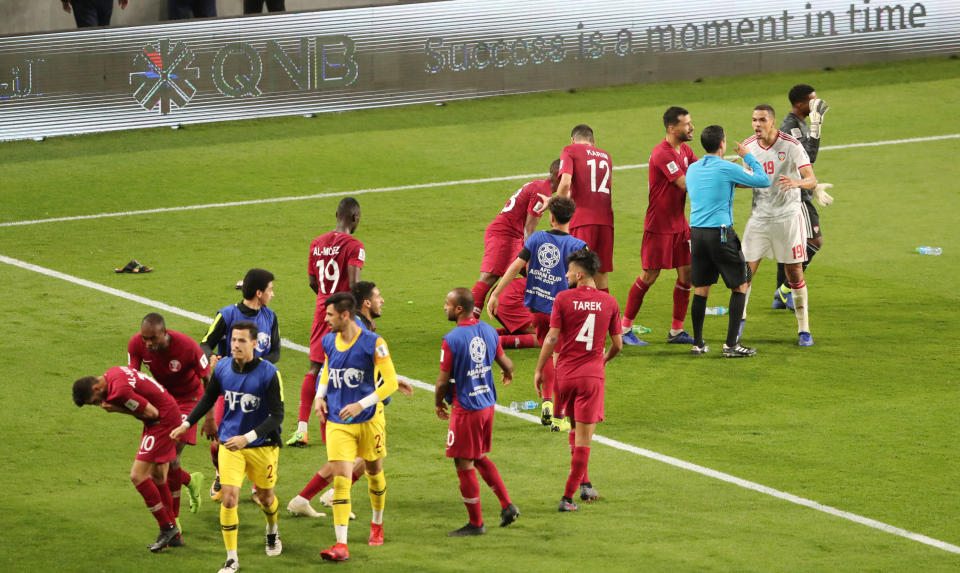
column 776, row 228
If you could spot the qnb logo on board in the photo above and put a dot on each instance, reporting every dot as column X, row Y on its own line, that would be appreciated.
column 164, row 82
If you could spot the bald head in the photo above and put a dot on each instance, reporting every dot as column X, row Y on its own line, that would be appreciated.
column 459, row 304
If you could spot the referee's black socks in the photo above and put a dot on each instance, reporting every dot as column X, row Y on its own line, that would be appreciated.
column 698, row 309
column 737, row 301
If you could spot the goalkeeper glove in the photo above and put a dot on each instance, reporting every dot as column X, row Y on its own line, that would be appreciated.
column 821, row 195
column 818, row 108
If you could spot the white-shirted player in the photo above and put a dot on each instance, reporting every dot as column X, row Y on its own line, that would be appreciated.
column 776, row 228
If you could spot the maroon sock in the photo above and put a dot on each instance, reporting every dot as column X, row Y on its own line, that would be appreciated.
column 165, row 495
column 470, row 490
column 173, row 485
column 578, row 467
column 184, row 477
column 502, row 331
column 315, row 486
column 488, row 471
column 681, row 299
column 519, row 341
column 356, row 475
column 151, row 495
column 635, row 299
column 308, row 391
column 480, row 290
column 214, row 451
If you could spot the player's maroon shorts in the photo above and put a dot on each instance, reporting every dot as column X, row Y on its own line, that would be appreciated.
column 317, row 332
column 541, row 322
column 470, row 433
column 600, row 240
column 499, row 252
column 511, row 312
column 186, row 404
column 665, row 250
column 580, row 398
column 156, row 445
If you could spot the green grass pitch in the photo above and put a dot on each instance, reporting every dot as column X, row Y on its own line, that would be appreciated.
column 865, row 421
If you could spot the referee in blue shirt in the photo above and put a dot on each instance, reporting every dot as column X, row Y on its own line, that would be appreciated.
column 714, row 245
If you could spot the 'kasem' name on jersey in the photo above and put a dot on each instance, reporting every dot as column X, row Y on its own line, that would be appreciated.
column 589, row 305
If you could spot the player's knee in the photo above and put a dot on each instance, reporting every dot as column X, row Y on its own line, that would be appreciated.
column 265, row 496
column 230, row 496
column 649, row 276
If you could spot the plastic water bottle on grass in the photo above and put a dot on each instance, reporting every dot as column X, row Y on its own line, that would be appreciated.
column 930, row 250
column 716, row 310
column 526, row 405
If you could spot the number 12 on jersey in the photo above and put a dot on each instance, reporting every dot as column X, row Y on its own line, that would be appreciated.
column 329, row 271
column 604, row 169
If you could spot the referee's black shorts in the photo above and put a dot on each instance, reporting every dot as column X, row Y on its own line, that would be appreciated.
column 711, row 259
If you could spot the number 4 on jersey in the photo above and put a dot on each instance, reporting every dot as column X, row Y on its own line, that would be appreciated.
column 586, row 331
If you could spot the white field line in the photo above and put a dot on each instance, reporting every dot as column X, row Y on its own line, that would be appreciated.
column 406, row 187
column 504, row 410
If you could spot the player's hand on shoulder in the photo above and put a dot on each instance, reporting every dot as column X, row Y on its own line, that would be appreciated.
column 214, row 358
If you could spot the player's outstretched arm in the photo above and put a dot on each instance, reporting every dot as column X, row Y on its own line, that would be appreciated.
column 493, row 301
column 546, row 353
column 440, row 393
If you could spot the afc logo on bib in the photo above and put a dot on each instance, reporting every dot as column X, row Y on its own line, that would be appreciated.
column 548, row 255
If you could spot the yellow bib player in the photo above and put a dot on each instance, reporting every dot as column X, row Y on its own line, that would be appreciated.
column 349, row 398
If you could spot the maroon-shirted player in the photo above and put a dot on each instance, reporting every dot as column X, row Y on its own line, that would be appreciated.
column 666, row 232
column 128, row 391
column 505, row 235
column 518, row 329
column 581, row 319
column 179, row 365
column 336, row 259
column 586, row 176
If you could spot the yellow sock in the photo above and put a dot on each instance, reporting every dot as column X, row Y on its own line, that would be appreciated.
column 271, row 514
column 341, row 500
column 229, row 521
column 377, row 486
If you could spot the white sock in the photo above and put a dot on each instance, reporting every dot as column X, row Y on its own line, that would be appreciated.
column 273, row 528
column 302, row 427
column 232, row 554
column 377, row 518
column 674, row 331
column 746, row 299
column 800, row 304
column 341, row 531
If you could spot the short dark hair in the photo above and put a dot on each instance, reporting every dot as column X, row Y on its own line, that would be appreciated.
column 562, row 209
column 711, row 138
column 672, row 116
column 362, row 290
column 247, row 325
column 463, row 297
column 582, row 131
column 154, row 319
column 83, row 390
column 254, row 280
column 800, row 93
column 555, row 167
column 342, row 302
column 766, row 107
column 347, row 209
column 586, row 259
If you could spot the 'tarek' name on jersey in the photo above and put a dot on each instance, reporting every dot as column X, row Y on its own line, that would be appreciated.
column 180, row 369
column 584, row 316
column 528, row 200
column 591, row 183
column 330, row 255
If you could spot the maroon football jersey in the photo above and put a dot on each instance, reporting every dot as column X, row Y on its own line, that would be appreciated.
column 531, row 199
column 584, row 316
column 133, row 390
column 665, row 210
column 591, row 183
column 180, row 369
column 330, row 255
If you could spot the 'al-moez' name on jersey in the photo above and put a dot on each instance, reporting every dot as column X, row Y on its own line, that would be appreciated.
column 326, row 251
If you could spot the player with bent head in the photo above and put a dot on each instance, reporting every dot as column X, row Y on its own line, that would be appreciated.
column 543, row 255
column 586, row 176
column 178, row 363
column 127, row 391
column 249, row 434
column 348, row 397
column 582, row 317
column 505, row 235
column 776, row 225
column 466, row 382
column 334, row 265
column 666, row 233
